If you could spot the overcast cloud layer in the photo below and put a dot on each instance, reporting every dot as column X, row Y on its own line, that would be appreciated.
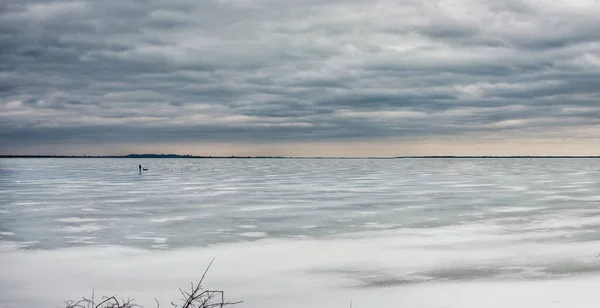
column 199, row 71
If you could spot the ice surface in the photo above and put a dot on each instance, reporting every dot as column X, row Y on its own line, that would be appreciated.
column 303, row 233
column 168, row 219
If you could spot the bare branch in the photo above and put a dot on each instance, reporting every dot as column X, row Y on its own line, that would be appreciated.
column 197, row 297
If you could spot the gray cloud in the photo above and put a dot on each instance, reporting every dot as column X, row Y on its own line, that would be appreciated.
column 318, row 70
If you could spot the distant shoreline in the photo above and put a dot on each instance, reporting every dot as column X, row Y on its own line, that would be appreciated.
column 279, row 157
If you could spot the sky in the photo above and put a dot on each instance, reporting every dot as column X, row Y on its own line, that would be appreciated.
column 300, row 77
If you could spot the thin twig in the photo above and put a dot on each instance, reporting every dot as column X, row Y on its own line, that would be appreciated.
column 206, row 271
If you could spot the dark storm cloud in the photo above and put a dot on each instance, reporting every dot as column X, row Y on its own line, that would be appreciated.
column 318, row 70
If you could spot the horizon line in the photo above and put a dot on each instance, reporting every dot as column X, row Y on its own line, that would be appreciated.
column 288, row 157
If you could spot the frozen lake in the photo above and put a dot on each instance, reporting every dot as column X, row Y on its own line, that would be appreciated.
column 302, row 232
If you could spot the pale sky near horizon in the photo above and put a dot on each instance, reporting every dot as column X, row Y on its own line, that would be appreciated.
column 300, row 77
